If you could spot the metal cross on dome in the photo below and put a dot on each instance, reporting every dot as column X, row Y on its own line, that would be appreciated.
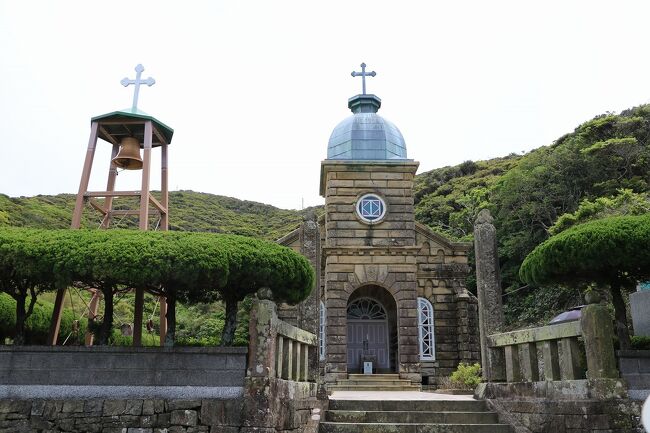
column 363, row 74
column 125, row 82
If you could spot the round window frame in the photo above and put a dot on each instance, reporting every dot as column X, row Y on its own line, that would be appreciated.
column 363, row 219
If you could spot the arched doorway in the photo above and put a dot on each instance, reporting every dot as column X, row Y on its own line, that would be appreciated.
column 371, row 329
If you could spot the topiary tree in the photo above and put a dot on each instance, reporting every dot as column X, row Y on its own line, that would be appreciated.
column 612, row 251
column 253, row 264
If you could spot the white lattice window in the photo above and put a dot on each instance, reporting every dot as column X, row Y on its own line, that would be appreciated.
column 425, row 330
column 321, row 331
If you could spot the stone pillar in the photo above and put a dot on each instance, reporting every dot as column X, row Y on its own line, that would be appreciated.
column 309, row 309
column 488, row 283
column 598, row 333
column 261, row 346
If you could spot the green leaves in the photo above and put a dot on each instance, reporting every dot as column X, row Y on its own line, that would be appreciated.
column 598, row 251
column 197, row 266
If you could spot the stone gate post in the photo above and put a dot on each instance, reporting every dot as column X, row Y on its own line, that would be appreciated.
column 488, row 284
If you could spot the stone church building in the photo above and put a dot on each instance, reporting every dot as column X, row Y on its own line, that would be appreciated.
column 389, row 290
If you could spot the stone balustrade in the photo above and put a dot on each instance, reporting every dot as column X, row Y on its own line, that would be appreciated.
column 561, row 351
column 278, row 349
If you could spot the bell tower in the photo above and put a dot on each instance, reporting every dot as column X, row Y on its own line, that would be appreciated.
column 129, row 132
column 370, row 245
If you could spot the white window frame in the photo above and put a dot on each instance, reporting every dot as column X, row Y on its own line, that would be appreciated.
column 426, row 330
column 321, row 331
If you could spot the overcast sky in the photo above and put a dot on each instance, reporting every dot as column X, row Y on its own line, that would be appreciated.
column 253, row 89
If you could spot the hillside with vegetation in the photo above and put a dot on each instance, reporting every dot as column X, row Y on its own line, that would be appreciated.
column 600, row 169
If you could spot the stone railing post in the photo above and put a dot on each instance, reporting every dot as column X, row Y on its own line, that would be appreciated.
column 598, row 334
column 490, row 306
column 261, row 346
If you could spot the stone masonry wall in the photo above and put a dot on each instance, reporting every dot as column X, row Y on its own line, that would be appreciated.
column 121, row 416
column 573, row 406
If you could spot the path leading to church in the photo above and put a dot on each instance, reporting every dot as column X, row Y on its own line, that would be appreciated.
column 408, row 412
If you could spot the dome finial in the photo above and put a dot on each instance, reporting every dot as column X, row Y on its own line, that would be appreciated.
column 363, row 74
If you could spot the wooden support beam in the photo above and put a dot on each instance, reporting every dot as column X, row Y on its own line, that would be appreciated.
column 146, row 169
column 164, row 188
column 113, row 194
column 55, row 323
column 157, row 204
column 98, row 207
column 85, row 177
column 92, row 313
column 109, row 137
column 163, row 319
column 161, row 138
column 110, row 186
column 137, row 319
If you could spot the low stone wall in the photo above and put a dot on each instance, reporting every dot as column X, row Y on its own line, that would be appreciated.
column 123, row 366
column 570, row 406
column 634, row 366
column 121, row 416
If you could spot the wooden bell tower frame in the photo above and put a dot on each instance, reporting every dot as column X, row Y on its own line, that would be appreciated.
column 150, row 133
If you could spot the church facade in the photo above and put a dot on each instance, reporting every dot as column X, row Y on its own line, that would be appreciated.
column 389, row 290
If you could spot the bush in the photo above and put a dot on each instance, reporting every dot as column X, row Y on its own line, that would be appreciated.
column 466, row 376
column 640, row 342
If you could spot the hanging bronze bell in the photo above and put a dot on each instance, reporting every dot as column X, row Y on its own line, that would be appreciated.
column 129, row 156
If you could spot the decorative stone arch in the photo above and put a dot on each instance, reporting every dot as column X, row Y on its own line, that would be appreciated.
column 365, row 296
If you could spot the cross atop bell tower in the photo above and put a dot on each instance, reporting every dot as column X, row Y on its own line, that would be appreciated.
column 136, row 91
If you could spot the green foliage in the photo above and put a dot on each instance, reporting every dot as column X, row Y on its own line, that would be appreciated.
column 640, row 342
column 625, row 202
column 191, row 266
column 466, row 376
column 596, row 251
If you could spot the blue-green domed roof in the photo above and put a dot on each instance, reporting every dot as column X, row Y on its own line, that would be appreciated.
column 366, row 135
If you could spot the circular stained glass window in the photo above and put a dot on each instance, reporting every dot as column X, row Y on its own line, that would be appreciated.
column 371, row 208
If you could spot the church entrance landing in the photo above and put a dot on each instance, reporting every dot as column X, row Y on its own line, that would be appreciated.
column 370, row 336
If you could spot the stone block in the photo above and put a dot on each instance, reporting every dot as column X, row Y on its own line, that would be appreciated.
column 639, row 306
column 184, row 417
column 133, row 407
column 114, row 407
column 148, row 407
column 182, row 404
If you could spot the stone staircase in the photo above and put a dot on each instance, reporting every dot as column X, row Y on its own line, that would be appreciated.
column 410, row 416
column 373, row 382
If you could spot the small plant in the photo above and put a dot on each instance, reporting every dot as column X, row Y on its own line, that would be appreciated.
column 466, row 376
column 640, row 342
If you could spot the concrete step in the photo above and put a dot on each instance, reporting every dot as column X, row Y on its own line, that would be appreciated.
column 373, row 388
column 409, row 405
column 638, row 381
column 370, row 382
column 421, row 417
column 333, row 427
column 373, row 376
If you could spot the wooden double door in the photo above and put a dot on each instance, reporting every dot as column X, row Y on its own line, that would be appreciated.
column 367, row 337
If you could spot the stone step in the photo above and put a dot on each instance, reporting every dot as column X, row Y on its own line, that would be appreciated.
column 420, row 417
column 391, row 376
column 638, row 381
column 335, row 427
column 373, row 382
column 371, row 387
column 409, row 405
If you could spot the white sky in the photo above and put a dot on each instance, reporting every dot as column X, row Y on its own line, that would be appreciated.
column 253, row 89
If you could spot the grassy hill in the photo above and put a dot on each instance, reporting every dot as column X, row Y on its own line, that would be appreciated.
column 604, row 159
column 190, row 211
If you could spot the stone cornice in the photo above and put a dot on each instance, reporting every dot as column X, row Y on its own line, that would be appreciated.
column 371, row 251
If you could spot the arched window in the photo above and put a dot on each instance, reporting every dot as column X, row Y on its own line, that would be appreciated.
column 366, row 309
column 425, row 330
column 321, row 332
